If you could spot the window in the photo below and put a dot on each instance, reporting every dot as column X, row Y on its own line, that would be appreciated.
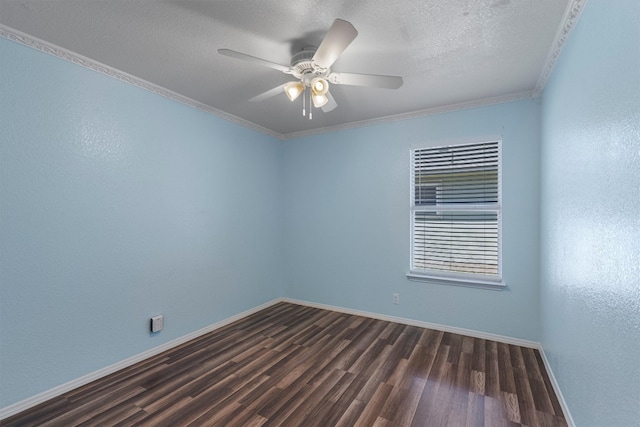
column 455, row 214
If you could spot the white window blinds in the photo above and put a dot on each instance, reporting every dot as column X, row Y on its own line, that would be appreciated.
column 455, row 211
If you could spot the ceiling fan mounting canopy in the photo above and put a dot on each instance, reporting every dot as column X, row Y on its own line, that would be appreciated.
column 312, row 67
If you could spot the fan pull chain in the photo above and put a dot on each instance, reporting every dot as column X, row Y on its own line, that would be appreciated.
column 310, row 106
column 304, row 109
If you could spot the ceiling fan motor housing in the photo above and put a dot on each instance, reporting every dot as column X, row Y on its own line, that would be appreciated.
column 303, row 67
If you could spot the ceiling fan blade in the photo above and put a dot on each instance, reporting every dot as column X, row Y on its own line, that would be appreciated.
column 369, row 80
column 331, row 103
column 268, row 94
column 340, row 35
column 245, row 57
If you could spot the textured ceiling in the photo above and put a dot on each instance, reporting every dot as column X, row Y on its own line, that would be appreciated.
column 449, row 52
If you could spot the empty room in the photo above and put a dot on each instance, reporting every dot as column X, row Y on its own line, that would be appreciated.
column 339, row 213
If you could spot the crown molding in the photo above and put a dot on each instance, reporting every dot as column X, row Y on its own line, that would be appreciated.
column 51, row 49
column 571, row 15
column 416, row 114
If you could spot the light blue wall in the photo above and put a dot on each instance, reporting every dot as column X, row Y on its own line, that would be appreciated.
column 590, row 292
column 116, row 205
column 346, row 220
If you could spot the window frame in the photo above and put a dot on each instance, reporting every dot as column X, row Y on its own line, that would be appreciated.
column 476, row 280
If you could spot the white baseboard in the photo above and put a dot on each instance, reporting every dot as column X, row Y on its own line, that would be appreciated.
column 418, row 323
column 452, row 329
column 100, row 373
column 556, row 388
column 86, row 379
column 455, row 330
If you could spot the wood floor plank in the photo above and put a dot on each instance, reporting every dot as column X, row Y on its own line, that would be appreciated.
column 467, row 345
column 507, row 384
column 316, row 397
column 494, row 413
column 555, row 403
column 492, row 370
column 475, row 410
column 302, row 366
column 381, row 422
column 209, row 403
column 408, row 406
column 87, row 409
column 321, row 409
column 479, row 356
column 512, row 407
column 114, row 417
column 347, row 409
column 459, row 401
column 441, row 399
column 525, row 398
column 219, row 396
column 476, row 383
column 132, row 420
column 369, row 413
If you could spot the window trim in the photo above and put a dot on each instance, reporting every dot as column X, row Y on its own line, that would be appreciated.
column 452, row 278
column 495, row 285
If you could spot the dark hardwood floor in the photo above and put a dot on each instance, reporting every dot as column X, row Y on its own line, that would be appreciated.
column 292, row 365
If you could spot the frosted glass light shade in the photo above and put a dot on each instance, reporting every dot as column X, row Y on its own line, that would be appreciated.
column 293, row 90
column 319, row 100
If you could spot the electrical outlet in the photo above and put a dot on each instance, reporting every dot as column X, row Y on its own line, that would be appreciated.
column 396, row 298
column 157, row 323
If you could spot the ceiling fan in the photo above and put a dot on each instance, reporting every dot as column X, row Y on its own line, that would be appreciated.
column 312, row 69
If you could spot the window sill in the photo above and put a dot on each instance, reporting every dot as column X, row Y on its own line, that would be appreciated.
column 497, row 285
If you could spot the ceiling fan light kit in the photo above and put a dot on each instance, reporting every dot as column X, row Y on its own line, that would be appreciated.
column 312, row 69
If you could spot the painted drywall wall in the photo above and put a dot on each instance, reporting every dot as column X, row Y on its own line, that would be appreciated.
column 346, row 220
column 590, row 162
column 115, row 205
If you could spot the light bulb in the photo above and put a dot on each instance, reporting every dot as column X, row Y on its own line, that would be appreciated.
column 319, row 86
